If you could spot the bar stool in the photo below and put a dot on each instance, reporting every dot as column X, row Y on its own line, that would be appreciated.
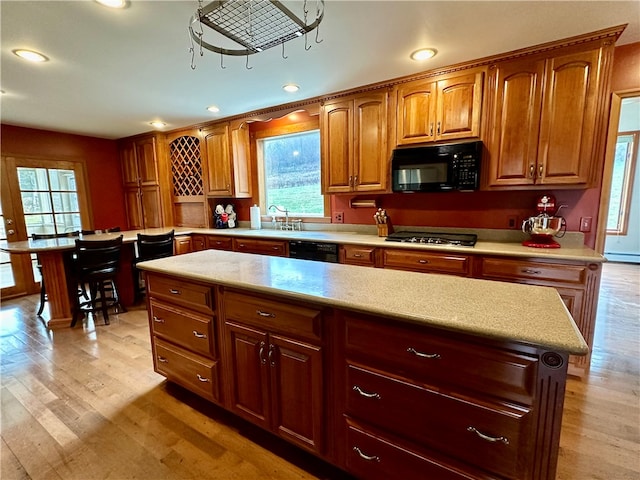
column 150, row 247
column 43, row 290
column 96, row 264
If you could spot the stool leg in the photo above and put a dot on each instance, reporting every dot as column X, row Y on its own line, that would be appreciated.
column 104, row 303
column 43, row 297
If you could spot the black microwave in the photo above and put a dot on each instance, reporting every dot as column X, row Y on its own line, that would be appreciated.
column 437, row 168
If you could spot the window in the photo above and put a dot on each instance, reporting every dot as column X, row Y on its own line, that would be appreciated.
column 290, row 178
column 622, row 182
column 6, row 272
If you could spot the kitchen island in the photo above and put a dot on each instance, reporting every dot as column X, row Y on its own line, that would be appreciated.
column 383, row 373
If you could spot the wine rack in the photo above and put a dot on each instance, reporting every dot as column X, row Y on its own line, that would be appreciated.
column 186, row 166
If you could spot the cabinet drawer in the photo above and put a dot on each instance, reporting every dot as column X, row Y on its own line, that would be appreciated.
column 355, row 255
column 268, row 314
column 261, row 247
column 435, row 359
column 426, row 262
column 198, row 374
column 482, row 433
column 373, row 457
column 189, row 329
column 503, row 268
column 197, row 297
column 219, row 243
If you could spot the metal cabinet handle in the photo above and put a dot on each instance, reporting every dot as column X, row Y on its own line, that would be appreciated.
column 241, row 245
column 423, row 261
column 438, row 128
column 199, row 335
column 350, row 180
column 371, row 458
column 488, row 438
column 275, row 248
column 263, row 360
column 158, row 320
column 162, row 359
column 266, row 314
column 356, row 388
column 202, row 379
column 271, row 353
column 355, row 181
column 357, row 255
column 174, row 291
column 431, row 130
column 423, row 355
column 540, row 170
column 532, row 272
column 532, row 170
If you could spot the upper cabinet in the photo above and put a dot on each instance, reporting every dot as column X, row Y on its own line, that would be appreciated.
column 140, row 177
column 545, row 116
column 433, row 109
column 354, row 143
column 226, row 151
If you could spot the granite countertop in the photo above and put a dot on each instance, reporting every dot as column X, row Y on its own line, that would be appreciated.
column 498, row 310
column 489, row 242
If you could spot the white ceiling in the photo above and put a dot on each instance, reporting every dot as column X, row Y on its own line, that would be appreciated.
column 113, row 71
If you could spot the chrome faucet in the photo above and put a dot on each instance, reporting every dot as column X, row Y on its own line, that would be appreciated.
column 286, row 225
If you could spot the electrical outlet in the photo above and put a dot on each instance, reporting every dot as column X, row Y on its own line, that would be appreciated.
column 512, row 221
column 585, row 224
column 338, row 217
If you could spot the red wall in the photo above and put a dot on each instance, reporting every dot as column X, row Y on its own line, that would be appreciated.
column 101, row 159
column 626, row 68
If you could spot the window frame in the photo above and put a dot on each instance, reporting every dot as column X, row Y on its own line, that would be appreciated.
column 278, row 131
column 622, row 227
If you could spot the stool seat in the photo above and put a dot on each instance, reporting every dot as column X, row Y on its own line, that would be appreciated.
column 150, row 247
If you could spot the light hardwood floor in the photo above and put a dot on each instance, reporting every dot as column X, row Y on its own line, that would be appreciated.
column 85, row 404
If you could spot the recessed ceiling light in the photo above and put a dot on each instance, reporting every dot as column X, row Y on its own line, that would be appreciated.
column 423, row 54
column 157, row 124
column 213, row 109
column 30, row 55
column 113, row 3
column 290, row 87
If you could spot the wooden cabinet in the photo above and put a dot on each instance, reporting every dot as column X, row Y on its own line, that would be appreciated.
column 577, row 284
column 354, row 143
column 274, row 352
column 275, row 248
column 198, row 243
column 219, row 243
column 183, row 338
column 227, row 160
column 449, row 404
column 183, row 244
column 432, row 110
column 428, row 262
column 141, row 182
column 358, row 255
column 545, row 114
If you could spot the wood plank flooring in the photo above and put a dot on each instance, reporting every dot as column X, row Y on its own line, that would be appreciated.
column 85, row 404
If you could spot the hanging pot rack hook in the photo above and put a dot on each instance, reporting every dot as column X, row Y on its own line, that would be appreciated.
column 306, row 47
column 222, row 61
column 283, row 55
column 247, row 64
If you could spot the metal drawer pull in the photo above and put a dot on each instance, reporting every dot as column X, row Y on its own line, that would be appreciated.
column 272, row 362
column 422, row 261
column 162, row 359
column 199, row 335
column 357, row 255
column 275, row 248
column 423, row 355
column 532, row 272
column 202, row 379
column 356, row 388
column 265, row 314
column 261, row 353
column 371, row 458
column 158, row 320
column 488, row 438
column 174, row 291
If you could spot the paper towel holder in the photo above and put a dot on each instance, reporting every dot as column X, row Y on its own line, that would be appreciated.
column 363, row 203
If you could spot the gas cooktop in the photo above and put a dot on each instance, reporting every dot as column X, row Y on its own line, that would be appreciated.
column 435, row 238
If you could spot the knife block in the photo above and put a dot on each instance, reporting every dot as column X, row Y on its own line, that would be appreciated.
column 384, row 229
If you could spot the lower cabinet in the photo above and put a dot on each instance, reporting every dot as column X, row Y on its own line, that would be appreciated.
column 274, row 355
column 274, row 248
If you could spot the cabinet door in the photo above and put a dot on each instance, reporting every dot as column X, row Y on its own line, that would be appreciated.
column 129, row 163
column 247, row 353
column 371, row 156
column 458, row 107
column 218, row 159
column 567, row 128
column 147, row 164
column 416, row 112
column 198, row 243
column 337, row 145
column 151, row 206
column 241, row 161
column 183, row 245
column 133, row 204
column 296, row 389
column 515, row 112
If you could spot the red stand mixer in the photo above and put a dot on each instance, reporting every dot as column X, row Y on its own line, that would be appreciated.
column 546, row 225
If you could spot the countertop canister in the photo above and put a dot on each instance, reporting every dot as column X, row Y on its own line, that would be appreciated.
column 255, row 217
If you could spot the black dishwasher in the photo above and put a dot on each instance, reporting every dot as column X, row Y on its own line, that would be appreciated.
column 319, row 251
